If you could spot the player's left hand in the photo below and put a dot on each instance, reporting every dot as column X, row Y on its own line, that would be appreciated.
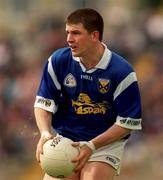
column 82, row 158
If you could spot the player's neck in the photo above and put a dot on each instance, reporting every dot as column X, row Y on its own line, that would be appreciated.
column 93, row 58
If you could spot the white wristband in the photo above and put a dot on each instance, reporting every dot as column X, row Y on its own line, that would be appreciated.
column 89, row 144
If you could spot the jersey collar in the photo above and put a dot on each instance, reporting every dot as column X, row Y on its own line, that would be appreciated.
column 103, row 63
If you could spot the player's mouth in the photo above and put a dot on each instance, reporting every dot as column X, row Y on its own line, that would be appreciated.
column 73, row 48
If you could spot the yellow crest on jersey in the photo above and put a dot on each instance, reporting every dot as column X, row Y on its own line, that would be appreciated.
column 104, row 85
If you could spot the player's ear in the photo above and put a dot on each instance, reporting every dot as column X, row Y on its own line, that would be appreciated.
column 95, row 35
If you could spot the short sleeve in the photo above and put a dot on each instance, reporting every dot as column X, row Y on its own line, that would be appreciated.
column 49, row 91
column 127, row 103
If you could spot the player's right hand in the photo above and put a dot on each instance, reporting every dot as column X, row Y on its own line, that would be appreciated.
column 41, row 142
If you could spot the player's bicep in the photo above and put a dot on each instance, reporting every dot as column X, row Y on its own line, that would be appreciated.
column 49, row 91
column 128, row 105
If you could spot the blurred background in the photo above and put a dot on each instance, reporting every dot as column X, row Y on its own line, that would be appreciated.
column 30, row 30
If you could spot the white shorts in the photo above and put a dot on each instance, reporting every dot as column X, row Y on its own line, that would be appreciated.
column 111, row 154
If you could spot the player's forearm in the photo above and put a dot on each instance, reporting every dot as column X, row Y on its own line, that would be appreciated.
column 43, row 120
column 113, row 134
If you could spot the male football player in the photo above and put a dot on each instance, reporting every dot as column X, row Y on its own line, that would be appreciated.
column 89, row 94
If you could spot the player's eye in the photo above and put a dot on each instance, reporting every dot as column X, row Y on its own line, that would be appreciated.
column 67, row 32
column 76, row 32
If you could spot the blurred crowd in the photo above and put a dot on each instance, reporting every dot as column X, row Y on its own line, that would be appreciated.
column 136, row 33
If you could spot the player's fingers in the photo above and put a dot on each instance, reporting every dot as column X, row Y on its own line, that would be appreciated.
column 39, row 149
column 38, row 155
column 79, row 157
column 82, row 158
column 76, row 159
column 76, row 144
column 80, row 165
column 38, row 152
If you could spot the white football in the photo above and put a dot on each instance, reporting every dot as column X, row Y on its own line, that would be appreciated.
column 57, row 156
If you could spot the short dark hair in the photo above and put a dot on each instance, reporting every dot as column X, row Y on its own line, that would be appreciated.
column 90, row 18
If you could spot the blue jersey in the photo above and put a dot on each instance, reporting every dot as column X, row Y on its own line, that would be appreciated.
column 85, row 103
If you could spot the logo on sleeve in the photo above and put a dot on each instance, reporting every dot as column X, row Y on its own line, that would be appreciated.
column 130, row 122
column 70, row 80
column 103, row 85
column 44, row 101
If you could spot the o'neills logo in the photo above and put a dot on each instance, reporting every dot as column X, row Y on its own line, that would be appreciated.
column 70, row 80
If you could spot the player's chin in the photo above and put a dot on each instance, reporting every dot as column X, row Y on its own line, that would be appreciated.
column 75, row 53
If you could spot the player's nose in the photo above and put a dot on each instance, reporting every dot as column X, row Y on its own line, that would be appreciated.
column 70, row 38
